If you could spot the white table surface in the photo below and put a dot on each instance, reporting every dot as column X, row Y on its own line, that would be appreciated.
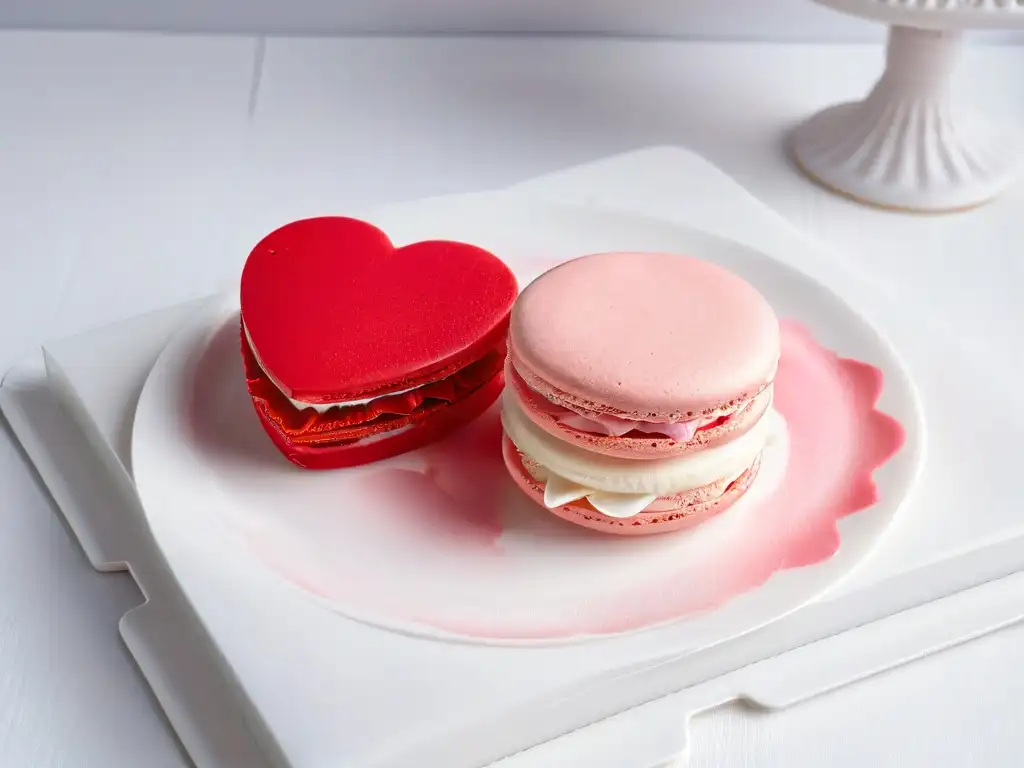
column 138, row 170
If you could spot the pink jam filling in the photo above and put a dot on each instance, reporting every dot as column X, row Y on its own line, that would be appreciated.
column 613, row 426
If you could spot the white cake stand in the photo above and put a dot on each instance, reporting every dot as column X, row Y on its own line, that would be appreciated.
column 908, row 146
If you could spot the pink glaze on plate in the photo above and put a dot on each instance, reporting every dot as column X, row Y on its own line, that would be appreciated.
column 453, row 545
column 837, row 439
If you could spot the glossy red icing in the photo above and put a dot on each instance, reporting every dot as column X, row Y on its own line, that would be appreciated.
column 335, row 312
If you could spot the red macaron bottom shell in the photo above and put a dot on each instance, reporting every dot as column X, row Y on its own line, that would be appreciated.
column 635, row 445
column 645, row 523
column 440, row 425
column 346, row 437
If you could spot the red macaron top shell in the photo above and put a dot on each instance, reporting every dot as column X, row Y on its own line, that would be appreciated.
column 335, row 312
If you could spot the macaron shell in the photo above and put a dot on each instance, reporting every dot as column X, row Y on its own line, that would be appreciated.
column 440, row 424
column 645, row 523
column 644, row 335
column 335, row 312
column 646, row 446
column 372, row 441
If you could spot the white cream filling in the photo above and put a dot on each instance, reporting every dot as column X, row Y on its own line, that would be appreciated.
column 558, row 491
column 318, row 407
column 324, row 407
column 624, row 487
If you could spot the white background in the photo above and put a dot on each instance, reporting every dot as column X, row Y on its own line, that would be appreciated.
column 138, row 170
column 791, row 20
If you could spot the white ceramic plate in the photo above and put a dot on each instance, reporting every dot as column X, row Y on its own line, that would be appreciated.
column 400, row 555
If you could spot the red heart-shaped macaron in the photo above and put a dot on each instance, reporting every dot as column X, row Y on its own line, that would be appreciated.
column 356, row 350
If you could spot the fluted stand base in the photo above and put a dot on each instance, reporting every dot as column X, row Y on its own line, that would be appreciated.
column 907, row 146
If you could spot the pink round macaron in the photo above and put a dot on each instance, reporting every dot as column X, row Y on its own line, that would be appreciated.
column 634, row 373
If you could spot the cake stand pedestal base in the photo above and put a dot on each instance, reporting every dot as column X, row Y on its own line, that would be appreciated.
column 907, row 146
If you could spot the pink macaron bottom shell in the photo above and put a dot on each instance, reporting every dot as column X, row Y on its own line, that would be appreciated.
column 549, row 416
column 666, row 514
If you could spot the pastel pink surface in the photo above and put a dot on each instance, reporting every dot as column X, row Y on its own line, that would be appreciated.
column 452, row 544
column 644, row 334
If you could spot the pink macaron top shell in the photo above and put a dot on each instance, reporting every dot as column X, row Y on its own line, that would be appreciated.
column 652, row 336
